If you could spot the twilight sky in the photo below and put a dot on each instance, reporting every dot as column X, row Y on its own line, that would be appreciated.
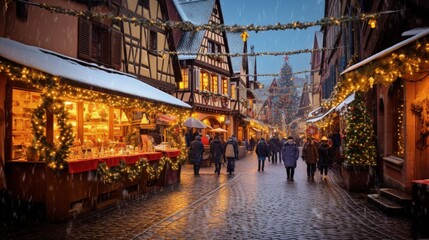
column 266, row 12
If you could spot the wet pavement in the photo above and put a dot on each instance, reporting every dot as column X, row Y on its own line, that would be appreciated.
column 245, row 205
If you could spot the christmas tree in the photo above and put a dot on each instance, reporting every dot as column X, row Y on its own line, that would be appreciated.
column 288, row 99
column 359, row 141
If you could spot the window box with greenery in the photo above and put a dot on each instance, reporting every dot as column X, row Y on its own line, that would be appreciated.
column 205, row 95
column 360, row 152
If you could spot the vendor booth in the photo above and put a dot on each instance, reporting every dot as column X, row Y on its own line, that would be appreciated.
column 79, row 137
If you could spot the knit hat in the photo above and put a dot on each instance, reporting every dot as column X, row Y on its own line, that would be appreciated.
column 324, row 138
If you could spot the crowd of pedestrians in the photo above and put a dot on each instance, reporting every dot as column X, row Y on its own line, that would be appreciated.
column 317, row 156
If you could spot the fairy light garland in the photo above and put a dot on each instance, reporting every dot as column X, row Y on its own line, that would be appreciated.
column 189, row 26
column 406, row 61
column 131, row 172
column 220, row 54
column 53, row 155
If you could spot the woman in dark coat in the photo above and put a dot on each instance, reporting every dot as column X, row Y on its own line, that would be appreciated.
column 196, row 151
column 290, row 154
column 325, row 157
column 216, row 151
column 310, row 155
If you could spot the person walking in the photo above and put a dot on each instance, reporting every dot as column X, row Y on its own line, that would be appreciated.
column 325, row 157
column 196, row 151
column 262, row 151
column 282, row 142
column 290, row 154
column 216, row 151
column 231, row 154
column 275, row 148
column 310, row 156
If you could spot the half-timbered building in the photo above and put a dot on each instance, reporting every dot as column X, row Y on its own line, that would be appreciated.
column 206, row 83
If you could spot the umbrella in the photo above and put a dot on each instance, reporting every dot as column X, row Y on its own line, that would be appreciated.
column 218, row 130
column 194, row 123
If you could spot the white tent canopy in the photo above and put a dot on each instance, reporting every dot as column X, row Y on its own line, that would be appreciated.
column 83, row 72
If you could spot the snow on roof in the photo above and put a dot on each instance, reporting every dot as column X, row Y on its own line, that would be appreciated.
column 387, row 51
column 235, row 45
column 82, row 72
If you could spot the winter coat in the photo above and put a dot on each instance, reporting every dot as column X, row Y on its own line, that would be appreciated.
column 262, row 149
column 275, row 146
column 290, row 154
column 310, row 153
column 216, row 150
column 325, row 155
column 235, row 144
column 196, row 150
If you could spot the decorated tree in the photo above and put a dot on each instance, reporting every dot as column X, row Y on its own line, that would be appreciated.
column 288, row 93
column 359, row 141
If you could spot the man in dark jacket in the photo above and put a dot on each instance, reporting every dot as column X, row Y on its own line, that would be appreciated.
column 196, row 151
column 216, row 152
column 262, row 151
column 275, row 148
column 290, row 155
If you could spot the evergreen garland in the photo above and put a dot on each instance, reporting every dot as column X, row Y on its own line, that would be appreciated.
column 54, row 155
column 359, row 141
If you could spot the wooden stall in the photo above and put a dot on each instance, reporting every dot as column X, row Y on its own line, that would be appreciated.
column 85, row 140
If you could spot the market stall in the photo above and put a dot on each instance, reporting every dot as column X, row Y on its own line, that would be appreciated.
column 80, row 138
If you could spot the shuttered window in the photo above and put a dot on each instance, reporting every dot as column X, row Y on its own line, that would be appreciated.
column 99, row 43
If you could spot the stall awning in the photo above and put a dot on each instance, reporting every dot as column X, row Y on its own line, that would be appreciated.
column 346, row 101
column 423, row 32
column 83, row 72
column 255, row 129
column 316, row 119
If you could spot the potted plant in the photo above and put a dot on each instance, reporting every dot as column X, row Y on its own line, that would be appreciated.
column 360, row 151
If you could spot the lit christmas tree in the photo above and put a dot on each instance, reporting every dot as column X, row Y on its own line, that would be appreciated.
column 289, row 100
column 359, row 141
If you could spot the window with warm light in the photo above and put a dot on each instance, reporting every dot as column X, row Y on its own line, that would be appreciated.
column 225, row 86
column 233, row 91
column 204, row 78
column 214, row 82
column 184, row 84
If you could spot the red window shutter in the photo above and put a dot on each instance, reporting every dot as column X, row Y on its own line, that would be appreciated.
column 116, row 42
column 84, row 39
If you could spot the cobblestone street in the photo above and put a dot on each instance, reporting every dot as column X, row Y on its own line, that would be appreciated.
column 245, row 205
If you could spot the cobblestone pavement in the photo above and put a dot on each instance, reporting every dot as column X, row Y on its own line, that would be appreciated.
column 245, row 205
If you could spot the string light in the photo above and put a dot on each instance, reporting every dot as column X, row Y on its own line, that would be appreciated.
column 188, row 26
column 254, row 54
column 407, row 60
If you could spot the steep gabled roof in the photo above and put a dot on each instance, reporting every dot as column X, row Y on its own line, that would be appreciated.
column 252, row 66
column 319, row 39
column 235, row 44
column 197, row 12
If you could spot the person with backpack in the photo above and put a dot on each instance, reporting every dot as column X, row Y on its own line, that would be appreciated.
column 216, row 151
column 262, row 151
column 325, row 157
column 231, row 154
column 290, row 154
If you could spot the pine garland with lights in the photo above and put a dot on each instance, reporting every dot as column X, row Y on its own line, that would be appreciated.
column 405, row 61
column 359, row 141
column 189, row 26
column 54, row 155
column 131, row 172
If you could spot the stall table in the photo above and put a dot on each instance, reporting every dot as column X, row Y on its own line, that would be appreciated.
column 79, row 188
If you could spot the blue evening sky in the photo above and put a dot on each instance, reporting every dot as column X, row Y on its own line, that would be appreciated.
column 267, row 12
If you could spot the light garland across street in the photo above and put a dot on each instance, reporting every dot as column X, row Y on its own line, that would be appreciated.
column 188, row 26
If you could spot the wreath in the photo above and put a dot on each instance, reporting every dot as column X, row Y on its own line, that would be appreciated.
column 53, row 155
